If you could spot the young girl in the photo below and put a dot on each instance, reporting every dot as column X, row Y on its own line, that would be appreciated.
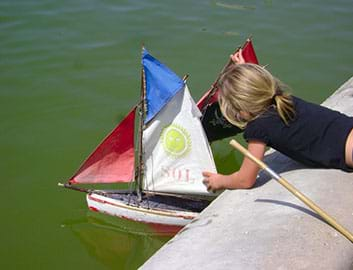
column 252, row 99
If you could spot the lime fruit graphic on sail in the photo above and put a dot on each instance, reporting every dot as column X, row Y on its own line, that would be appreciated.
column 176, row 140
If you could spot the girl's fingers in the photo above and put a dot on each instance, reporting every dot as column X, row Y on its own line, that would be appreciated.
column 241, row 58
column 206, row 182
column 206, row 174
column 238, row 57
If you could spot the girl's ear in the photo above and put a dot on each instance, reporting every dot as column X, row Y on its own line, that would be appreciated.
column 245, row 115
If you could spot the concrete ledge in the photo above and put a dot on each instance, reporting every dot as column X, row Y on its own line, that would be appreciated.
column 267, row 227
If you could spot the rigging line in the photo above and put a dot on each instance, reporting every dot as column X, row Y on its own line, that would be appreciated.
column 152, row 178
column 148, row 202
column 132, row 187
column 129, row 197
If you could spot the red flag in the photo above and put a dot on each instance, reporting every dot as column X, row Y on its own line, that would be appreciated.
column 249, row 53
column 113, row 160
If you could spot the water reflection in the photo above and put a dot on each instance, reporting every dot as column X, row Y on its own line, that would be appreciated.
column 117, row 243
column 235, row 6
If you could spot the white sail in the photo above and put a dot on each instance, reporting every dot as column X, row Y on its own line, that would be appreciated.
column 176, row 150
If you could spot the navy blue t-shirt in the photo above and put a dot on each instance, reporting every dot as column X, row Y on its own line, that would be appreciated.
column 316, row 137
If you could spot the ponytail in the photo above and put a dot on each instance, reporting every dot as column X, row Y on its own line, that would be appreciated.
column 284, row 104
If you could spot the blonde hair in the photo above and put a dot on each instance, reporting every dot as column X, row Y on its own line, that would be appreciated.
column 252, row 89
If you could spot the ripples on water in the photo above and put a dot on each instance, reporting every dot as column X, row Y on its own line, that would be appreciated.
column 69, row 71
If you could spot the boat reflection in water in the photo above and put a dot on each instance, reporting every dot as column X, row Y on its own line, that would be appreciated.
column 118, row 243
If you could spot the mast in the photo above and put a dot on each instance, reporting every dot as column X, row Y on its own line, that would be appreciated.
column 140, row 165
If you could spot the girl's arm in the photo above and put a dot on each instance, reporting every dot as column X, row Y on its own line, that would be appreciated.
column 242, row 179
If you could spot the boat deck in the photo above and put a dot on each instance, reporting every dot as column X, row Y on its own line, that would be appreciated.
column 160, row 202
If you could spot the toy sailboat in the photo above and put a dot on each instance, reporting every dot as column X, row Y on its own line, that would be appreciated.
column 161, row 149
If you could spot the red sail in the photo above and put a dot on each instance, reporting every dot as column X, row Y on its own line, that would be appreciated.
column 113, row 160
column 249, row 53
column 249, row 57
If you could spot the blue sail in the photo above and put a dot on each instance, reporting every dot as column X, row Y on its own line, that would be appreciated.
column 161, row 84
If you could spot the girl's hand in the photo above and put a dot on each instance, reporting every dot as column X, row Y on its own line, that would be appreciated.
column 238, row 58
column 244, row 178
column 214, row 181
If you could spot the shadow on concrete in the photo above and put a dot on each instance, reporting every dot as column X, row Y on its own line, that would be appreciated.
column 292, row 205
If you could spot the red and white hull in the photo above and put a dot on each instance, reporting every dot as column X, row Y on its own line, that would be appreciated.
column 140, row 213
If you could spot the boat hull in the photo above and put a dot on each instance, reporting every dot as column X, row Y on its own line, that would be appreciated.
column 145, row 212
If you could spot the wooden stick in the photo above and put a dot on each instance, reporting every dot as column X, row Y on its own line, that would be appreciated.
column 85, row 190
column 294, row 191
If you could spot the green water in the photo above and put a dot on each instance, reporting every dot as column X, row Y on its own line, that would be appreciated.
column 69, row 71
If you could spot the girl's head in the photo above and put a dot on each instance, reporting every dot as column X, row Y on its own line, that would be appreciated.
column 248, row 90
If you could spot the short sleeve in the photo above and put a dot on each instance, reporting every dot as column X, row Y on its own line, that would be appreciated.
column 255, row 131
